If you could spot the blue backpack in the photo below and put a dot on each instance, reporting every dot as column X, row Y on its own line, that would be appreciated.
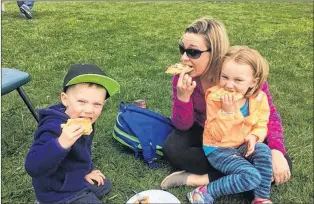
column 142, row 130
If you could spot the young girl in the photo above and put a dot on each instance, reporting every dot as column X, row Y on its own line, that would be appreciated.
column 235, row 128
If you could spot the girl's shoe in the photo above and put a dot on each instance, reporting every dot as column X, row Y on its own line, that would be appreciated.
column 258, row 201
column 200, row 195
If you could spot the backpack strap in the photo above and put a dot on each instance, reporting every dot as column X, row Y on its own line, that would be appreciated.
column 149, row 152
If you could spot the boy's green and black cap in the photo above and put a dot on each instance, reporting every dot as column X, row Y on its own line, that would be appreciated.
column 90, row 73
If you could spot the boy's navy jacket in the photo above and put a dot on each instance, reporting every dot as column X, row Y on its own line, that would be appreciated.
column 57, row 173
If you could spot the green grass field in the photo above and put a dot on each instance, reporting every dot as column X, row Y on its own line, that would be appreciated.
column 134, row 43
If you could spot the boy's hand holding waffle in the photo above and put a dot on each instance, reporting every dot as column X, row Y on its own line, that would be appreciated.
column 73, row 130
column 84, row 122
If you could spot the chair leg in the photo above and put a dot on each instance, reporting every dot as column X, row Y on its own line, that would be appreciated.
column 28, row 102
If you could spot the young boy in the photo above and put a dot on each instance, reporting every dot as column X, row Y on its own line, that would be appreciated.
column 59, row 160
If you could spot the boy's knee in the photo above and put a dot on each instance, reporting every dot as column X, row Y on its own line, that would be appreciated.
column 104, row 189
column 107, row 186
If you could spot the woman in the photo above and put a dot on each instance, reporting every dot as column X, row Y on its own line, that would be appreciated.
column 202, row 46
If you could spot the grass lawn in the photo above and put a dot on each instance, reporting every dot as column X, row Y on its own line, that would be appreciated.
column 134, row 43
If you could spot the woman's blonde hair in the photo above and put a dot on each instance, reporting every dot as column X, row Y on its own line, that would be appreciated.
column 251, row 57
column 216, row 38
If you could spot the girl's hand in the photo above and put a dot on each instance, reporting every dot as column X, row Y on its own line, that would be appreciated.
column 69, row 135
column 95, row 175
column 185, row 87
column 281, row 170
column 251, row 141
column 228, row 104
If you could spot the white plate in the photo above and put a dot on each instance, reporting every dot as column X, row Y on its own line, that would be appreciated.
column 156, row 196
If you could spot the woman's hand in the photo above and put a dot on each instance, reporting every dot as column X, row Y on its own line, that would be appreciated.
column 185, row 87
column 95, row 175
column 69, row 135
column 281, row 170
column 251, row 141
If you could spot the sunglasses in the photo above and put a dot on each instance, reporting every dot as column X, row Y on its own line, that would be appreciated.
column 192, row 53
